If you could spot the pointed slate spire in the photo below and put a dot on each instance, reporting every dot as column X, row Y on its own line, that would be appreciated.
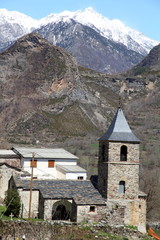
column 119, row 130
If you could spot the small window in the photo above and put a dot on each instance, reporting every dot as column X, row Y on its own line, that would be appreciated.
column 80, row 177
column 33, row 163
column 103, row 153
column 122, row 187
column 123, row 153
column 92, row 209
column 51, row 163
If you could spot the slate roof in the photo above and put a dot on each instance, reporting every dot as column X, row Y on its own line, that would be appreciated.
column 47, row 153
column 70, row 168
column 82, row 191
column 7, row 154
column 119, row 130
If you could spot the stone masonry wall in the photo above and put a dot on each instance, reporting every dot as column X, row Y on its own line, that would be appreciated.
column 127, row 212
column 112, row 170
column 85, row 215
column 132, row 152
column 50, row 206
column 127, row 171
column 10, row 230
column 123, row 172
column 142, row 211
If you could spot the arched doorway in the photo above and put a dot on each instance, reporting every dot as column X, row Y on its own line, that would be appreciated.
column 61, row 210
column 60, row 213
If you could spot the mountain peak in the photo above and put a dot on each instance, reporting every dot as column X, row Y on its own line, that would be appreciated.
column 30, row 41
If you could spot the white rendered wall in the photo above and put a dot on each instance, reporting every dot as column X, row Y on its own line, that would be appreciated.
column 42, row 170
column 60, row 175
column 63, row 175
column 76, row 175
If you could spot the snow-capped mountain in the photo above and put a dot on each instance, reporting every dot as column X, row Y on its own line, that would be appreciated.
column 113, row 30
column 96, row 42
column 13, row 25
column 90, row 49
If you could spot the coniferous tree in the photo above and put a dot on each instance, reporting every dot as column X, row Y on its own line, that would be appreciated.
column 12, row 202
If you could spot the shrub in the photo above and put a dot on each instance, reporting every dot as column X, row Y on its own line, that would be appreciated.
column 12, row 202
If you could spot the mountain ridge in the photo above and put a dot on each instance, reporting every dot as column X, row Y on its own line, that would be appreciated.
column 89, row 48
column 130, row 43
column 107, row 28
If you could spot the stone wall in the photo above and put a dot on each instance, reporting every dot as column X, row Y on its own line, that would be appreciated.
column 111, row 170
column 132, row 152
column 10, row 230
column 129, row 173
column 115, row 213
column 77, row 213
column 142, row 213
column 127, row 212
column 85, row 215
column 50, row 206
column 35, row 231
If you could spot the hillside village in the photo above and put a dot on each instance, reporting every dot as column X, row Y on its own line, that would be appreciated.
column 61, row 190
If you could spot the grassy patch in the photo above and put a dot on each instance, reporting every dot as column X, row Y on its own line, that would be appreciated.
column 131, row 227
column 2, row 216
column 95, row 145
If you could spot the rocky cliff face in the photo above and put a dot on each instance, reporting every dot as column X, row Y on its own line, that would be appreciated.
column 43, row 92
column 151, row 63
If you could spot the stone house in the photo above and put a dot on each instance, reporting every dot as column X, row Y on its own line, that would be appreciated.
column 61, row 199
column 53, row 163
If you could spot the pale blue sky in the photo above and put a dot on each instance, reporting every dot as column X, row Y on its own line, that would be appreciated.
column 143, row 15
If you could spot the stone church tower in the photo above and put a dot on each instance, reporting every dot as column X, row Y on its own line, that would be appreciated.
column 118, row 173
